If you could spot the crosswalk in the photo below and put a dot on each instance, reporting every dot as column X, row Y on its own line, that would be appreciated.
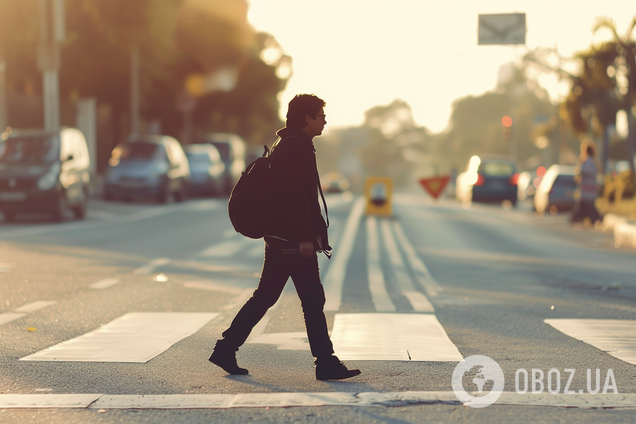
column 388, row 332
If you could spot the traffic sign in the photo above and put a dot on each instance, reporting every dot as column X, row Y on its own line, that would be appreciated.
column 378, row 192
column 434, row 186
column 502, row 28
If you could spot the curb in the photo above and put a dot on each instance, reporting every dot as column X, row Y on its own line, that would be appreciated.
column 623, row 229
column 104, row 402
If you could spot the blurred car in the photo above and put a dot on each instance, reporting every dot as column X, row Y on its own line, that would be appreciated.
column 334, row 182
column 233, row 153
column 44, row 172
column 528, row 182
column 556, row 191
column 488, row 179
column 206, row 168
column 148, row 166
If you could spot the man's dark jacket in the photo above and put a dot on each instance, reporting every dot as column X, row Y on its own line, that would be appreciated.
column 294, row 192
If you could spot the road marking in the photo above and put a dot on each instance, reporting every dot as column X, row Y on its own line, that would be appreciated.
column 151, row 266
column 238, row 300
column 417, row 265
column 256, row 251
column 10, row 316
column 213, row 286
column 299, row 399
column 614, row 336
column 34, row 306
column 78, row 400
column 419, row 302
column 377, row 286
column 105, row 283
column 286, row 341
column 392, row 337
column 335, row 276
column 133, row 337
column 225, row 249
column 262, row 324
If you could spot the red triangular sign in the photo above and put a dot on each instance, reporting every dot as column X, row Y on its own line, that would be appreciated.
column 435, row 185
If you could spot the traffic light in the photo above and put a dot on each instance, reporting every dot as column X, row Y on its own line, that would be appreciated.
column 506, row 123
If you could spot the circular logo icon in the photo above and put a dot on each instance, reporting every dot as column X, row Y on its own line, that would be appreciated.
column 482, row 369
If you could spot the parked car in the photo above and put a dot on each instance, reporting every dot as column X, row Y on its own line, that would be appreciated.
column 44, row 172
column 233, row 153
column 148, row 166
column 556, row 191
column 529, row 181
column 206, row 168
column 488, row 179
column 334, row 182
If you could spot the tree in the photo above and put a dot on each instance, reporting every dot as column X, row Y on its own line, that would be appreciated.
column 604, row 84
column 476, row 121
column 177, row 39
column 622, row 70
column 394, row 141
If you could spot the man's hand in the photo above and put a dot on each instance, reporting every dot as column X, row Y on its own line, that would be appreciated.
column 306, row 248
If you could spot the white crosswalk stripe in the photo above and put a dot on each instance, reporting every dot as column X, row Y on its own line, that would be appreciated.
column 614, row 336
column 419, row 302
column 377, row 284
column 134, row 337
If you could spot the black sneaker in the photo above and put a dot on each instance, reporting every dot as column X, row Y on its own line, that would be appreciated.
column 226, row 359
column 332, row 369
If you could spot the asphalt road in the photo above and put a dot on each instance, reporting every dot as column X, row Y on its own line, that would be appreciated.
column 409, row 296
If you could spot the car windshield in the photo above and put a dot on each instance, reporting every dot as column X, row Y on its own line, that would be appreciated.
column 140, row 151
column 496, row 169
column 30, row 150
column 199, row 158
column 224, row 150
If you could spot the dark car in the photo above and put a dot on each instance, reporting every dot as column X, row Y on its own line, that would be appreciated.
column 152, row 166
column 44, row 172
column 556, row 191
column 488, row 179
column 233, row 153
column 206, row 168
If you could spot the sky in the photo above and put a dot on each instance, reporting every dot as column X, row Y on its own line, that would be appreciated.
column 357, row 54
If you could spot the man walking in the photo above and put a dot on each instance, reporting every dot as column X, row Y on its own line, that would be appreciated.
column 299, row 232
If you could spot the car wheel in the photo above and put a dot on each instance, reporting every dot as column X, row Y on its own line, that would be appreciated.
column 79, row 211
column 163, row 196
column 181, row 194
column 59, row 213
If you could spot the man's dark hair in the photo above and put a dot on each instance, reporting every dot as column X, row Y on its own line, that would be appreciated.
column 300, row 106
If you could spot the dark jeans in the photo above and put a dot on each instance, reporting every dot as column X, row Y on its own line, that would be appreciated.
column 586, row 208
column 277, row 268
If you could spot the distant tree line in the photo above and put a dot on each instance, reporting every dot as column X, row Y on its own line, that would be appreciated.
column 183, row 45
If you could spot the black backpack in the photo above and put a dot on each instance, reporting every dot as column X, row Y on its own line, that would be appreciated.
column 248, row 205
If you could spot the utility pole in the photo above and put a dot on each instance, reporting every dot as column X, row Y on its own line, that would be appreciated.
column 51, row 34
column 4, row 118
column 135, row 95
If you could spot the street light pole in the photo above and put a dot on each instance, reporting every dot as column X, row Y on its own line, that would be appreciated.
column 135, row 96
column 51, row 34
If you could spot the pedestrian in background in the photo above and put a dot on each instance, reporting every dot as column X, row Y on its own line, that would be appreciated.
column 300, row 231
column 588, row 189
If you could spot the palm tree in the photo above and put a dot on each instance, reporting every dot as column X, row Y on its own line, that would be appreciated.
column 622, row 71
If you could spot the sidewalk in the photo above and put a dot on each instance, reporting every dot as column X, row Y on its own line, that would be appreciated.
column 624, row 229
